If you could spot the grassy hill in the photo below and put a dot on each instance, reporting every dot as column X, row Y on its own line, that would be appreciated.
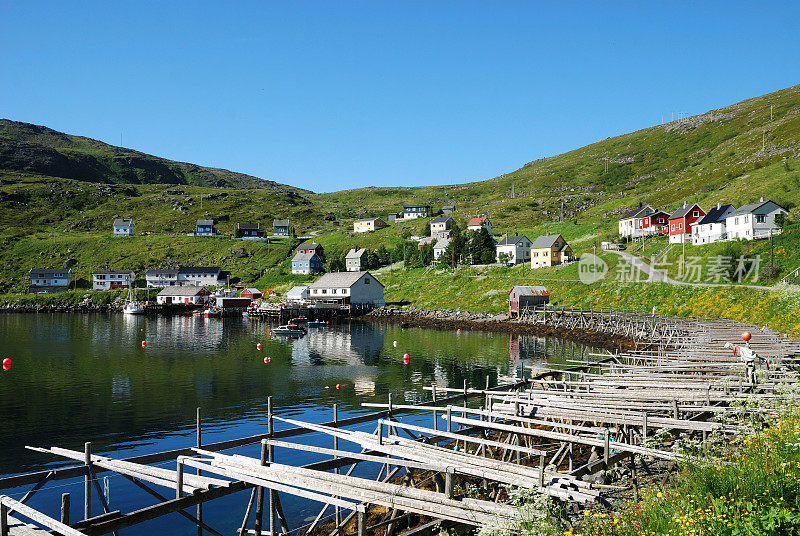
column 59, row 194
column 39, row 150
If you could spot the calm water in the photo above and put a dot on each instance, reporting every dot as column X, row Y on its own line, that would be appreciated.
column 77, row 378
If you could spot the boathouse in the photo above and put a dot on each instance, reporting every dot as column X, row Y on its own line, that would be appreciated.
column 524, row 297
column 187, row 295
column 252, row 293
column 298, row 294
column 347, row 288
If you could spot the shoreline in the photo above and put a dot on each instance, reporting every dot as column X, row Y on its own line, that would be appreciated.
column 434, row 319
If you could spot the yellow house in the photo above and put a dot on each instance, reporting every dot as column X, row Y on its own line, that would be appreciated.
column 550, row 250
column 368, row 224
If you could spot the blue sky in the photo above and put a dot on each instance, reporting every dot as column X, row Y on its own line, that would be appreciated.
column 335, row 95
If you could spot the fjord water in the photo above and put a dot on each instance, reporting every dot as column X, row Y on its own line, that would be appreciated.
column 77, row 378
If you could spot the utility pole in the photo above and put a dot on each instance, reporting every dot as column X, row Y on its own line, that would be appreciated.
column 771, row 106
column 201, row 201
column 764, row 141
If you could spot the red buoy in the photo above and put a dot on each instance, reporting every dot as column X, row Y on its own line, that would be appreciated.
column 395, row 344
column 144, row 344
column 266, row 359
column 746, row 336
column 6, row 364
column 337, row 385
column 258, row 346
column 406, row 359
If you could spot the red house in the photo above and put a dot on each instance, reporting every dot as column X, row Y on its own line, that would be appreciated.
column 681, row 222
column 311, row 247
column 653, row 224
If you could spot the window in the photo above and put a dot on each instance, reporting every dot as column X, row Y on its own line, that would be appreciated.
column 736, row 220
column 680, row 226
column 747, row 219
column 324, row 291
column 366, row 280
column 761, row 218
column 695, row 213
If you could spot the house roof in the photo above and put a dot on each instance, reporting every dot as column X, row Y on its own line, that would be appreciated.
column 367, row 219
column 200, row 270
column 636, row 212
column 529, row 290
column 280, row 223
column 205, row 222
column 715, row 215
column 752, row 207
column 248, row 226
column 477, row 221
column 441, row 219
column 340, row 279
column 297, row 290
column 512, row 240
column 50, row 270
column 442, row 243
column 308, row 245
column 123, row 221
column 252, row 290
column 304, row 256
column 446, row 207
column 113, row 272
column 683, row 211
column 159, row 271
column 187, row 290
column 355, row 253
column 546, row 241
column 415, row 206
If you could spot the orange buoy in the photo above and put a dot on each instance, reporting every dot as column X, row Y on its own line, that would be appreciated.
column 144, row 344
column 746, row 336
column 258, row 346
column 267, row 360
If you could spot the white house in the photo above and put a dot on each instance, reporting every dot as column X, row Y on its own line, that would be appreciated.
column 347, row 288
column 186, row 295
column 108, row 279
column 123, row 227
column 517, row 246
column 627, row 223
column 186, row 275
column 45, row 280
column 756, row 220
column 711, row 228
column 355, row 260
column 474, row 224
column 298, row 294
column 439, row 247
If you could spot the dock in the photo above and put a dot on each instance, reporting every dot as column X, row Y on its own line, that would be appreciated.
column 454, row 459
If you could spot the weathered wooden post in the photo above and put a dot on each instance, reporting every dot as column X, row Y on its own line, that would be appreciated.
column 361, row 523
column 675, row 408
column 449, row 417
column 199, row 473
column 380, row 432
column 336, row 447
column 3, row 520
column 87, row 481
column 179, row 479
column 606, row 447
column 541, row 470
column 644, row 425
column 65, row 508
column 435, row 416
column 448, row 482
column 271, row 459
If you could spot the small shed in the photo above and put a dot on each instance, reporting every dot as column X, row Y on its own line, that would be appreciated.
column 297, row 294
column 525, row 297
column 252, row 293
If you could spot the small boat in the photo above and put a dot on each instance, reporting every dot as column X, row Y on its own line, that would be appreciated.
column 298, row 320
column 289, row 329
column 317, row 323
column 132, row 307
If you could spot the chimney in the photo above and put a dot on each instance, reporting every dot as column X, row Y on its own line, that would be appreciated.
column 761, row 200
column 684, row 204
column 640, row 204
column 719, row 205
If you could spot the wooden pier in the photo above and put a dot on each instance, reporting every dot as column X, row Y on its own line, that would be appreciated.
column 548, row 433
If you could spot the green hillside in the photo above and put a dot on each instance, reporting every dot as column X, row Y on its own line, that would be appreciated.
column 34, row 149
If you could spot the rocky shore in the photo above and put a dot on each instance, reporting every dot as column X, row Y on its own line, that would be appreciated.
column 501, row 323
column 84, row 306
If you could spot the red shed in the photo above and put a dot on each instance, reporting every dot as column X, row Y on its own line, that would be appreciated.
column 524, row 297
column 653, row 224
column 252, row 293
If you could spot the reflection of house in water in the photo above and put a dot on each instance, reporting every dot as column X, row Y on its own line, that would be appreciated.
column 541, row 349
column 357, row 344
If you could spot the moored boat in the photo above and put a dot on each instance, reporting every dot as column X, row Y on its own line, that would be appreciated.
column 289, row 329
column 132, row 307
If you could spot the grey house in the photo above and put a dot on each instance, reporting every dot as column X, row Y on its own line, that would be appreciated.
column 123, row 227
column 355, row 260
column 281, row 228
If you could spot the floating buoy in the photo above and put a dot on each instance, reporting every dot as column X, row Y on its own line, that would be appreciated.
column 406, row 359
column 395, row 344
column 746, row 336
column 258, row 346
column 266, row 359
column 458, row 330
column 337, row 385
column 144, row 344
column 6, row 363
